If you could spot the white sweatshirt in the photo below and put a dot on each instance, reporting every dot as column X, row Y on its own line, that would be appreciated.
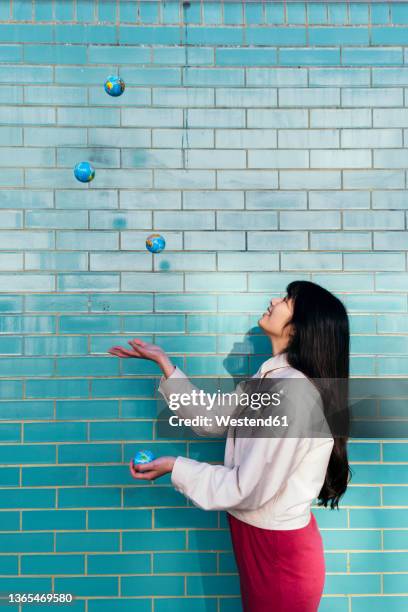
column 267, row 482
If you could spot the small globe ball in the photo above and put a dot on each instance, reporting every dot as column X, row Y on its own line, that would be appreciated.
column 114, row 86
column 143, row 456
column 84, row 172
column 155, row 243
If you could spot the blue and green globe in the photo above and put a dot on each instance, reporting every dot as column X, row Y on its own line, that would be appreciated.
column 144, row 456
column 114, row 86
column 155, row 243
column 84, row 172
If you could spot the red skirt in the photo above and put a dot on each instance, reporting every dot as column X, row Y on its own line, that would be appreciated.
column 279, row 570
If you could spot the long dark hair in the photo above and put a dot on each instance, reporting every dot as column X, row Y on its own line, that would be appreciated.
column 319, row 346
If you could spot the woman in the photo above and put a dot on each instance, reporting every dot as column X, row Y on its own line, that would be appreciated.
column 267, row 485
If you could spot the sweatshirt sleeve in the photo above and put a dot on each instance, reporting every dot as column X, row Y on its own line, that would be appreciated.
column 178, row 383
column 266, row 465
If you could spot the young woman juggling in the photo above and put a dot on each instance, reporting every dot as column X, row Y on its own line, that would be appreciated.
column 268, row 484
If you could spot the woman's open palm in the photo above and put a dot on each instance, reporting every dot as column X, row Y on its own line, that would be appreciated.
column 141, row 350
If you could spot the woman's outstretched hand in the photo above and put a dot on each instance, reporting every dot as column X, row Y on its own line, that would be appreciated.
column 145, row 350
column 140, row 350
column 152, row 470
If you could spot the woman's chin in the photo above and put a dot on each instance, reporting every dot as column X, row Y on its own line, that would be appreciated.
column 260, row 322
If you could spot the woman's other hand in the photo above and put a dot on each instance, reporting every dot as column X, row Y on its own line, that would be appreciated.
column 152, row 470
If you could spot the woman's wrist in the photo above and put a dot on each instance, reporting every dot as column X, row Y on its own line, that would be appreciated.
column 172, row 461
column 166, row 366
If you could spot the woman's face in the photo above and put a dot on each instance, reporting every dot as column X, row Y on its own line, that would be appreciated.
column 278, row 313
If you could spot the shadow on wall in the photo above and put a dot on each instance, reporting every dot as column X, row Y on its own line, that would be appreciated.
column 255, row 344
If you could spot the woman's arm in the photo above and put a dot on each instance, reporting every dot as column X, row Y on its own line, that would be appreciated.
column 264, row 469
column 175, row 381
column 197, row 403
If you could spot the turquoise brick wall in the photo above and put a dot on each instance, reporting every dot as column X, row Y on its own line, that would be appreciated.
column 264, row 153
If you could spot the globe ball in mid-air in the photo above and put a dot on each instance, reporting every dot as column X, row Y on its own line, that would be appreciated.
column 84, row 172
column 114, row 86
column 155, row 243
column 143, row 456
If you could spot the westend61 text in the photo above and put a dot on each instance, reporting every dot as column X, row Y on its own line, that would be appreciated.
column 227, row 421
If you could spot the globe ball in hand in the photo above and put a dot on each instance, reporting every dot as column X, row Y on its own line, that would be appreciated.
column 143, row 456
